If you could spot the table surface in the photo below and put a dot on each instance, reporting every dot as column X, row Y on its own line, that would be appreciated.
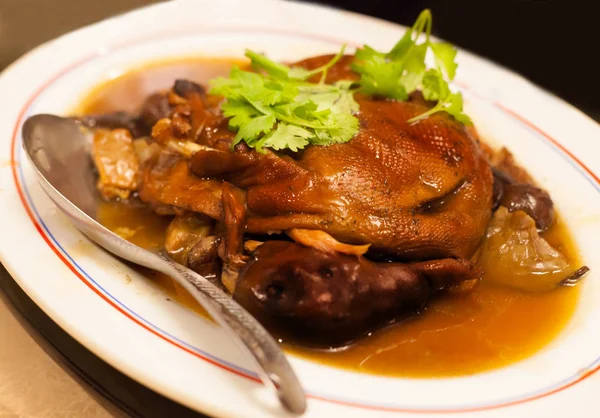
column 33, row 384
column 44, row 372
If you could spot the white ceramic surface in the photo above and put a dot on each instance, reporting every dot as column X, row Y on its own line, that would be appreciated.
column 125, row 320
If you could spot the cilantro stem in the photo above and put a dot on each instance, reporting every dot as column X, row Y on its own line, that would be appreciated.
column 437, row 108
column 423, row 22
column 325, row 67
column 259, row 61
column 331, row 63
column 429, row 23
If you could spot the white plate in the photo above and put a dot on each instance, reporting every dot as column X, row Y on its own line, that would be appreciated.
column 130, row 324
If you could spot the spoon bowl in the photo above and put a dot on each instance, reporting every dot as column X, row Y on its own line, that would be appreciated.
column 59, row 149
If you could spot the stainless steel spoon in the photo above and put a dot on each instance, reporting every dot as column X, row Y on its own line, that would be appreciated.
column 59, row 149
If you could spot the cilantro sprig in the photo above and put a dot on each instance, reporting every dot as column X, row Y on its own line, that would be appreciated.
column 277, row 107
column 403, row 70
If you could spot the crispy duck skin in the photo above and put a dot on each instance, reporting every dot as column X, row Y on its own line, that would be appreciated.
column 412, row 191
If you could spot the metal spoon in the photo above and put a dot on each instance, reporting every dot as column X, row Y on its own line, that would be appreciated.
column 59, row 149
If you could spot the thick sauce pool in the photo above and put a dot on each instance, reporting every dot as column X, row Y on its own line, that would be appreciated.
column 456, row 335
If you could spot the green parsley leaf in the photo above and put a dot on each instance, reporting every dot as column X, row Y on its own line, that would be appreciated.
column 455, row 108
column 379, row 77
column 445, row 55
column 403, row 70
column 402, row 47
column 276, row 107
column 250, row 131
column 287, row 136
column 241, row 113
column 341, row 127
column 300, row 73
column 414, row 66
column 435, row 88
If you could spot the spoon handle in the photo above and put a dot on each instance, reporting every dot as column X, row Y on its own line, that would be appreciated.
column 247, row 332
column 59, row 150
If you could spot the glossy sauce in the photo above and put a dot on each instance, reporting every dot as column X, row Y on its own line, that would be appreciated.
column 456, row 335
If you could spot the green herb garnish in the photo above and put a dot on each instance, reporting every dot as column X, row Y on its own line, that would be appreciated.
column 403, row 70
column 276, row 107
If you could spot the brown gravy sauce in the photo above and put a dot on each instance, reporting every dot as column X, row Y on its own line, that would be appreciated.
column 488, row 328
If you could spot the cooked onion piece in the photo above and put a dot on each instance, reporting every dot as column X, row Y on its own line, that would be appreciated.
column 251, row 245
column 514, row 254
column 183, row 233
column 185, row 148
column 145, row 150
column 323, row 241
column 229, row 278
